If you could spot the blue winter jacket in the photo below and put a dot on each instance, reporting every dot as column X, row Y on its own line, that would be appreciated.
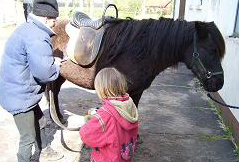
column 27, row 65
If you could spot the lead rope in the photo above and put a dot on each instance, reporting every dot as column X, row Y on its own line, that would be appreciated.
column 230, row 106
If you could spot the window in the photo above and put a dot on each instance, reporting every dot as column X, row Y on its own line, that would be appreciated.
column 236, row 29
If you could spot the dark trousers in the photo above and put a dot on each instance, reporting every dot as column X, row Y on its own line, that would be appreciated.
column 31, row 132
column 27, row 9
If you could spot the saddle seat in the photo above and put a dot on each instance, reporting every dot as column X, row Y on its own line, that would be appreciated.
column 86, row 36
column 80, row 19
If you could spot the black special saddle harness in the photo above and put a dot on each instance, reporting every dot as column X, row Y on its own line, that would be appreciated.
column 90, row 34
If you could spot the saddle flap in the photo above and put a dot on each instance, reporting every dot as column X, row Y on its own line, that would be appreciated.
column 84, row 44
column 88, row 45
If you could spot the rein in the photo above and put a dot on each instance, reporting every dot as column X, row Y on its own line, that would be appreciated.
column 207, row 74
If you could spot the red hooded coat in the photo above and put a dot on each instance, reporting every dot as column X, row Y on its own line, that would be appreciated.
column 112, row 132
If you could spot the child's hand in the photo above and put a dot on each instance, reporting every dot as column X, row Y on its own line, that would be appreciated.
column 89, row 113
column 92, row 111
column 87, row 118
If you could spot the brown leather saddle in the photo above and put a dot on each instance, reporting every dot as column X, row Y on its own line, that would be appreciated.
column 90, row 33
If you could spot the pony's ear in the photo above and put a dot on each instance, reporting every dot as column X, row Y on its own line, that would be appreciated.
column 201, row 28
column 211, row 23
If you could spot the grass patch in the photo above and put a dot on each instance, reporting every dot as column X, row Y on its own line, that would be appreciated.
column 227, row 129
column 228, row 135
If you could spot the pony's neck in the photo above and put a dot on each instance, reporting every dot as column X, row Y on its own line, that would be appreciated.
column 173, row 40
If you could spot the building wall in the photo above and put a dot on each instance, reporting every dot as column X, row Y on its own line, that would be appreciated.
column 11, row 12
column 223, row 13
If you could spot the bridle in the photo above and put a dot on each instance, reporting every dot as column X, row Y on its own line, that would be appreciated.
column 197, row 63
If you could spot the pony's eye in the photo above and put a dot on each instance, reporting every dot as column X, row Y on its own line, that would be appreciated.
column 215, row 51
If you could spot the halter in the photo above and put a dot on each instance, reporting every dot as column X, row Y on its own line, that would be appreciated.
column 197, row 63
column 208, row 74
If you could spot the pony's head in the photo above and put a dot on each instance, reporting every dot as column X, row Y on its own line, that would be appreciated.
column 204, row 55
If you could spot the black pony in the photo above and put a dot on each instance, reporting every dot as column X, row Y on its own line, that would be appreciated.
column 141, row 49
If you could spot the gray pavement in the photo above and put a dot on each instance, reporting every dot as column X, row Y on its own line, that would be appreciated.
column 177, row 123
column 174, row 118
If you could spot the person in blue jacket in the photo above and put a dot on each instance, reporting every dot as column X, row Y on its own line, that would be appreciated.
column 27, row 65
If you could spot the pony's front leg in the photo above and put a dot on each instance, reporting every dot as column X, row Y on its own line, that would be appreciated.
column 136, row 97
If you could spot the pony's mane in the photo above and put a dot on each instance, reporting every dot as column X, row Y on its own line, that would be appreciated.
column 148, row 38
column 217, row 37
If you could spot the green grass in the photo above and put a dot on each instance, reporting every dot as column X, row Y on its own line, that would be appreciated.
column 228, row 135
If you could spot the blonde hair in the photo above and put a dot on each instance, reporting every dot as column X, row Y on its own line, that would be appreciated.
column 109, row 82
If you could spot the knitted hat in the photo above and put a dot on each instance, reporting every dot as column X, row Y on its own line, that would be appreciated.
column 45, row 8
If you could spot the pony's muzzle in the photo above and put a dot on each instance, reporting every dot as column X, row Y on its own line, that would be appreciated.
column 214, row 84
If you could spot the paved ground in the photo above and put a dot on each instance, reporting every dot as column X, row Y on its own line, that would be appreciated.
column 176, row 123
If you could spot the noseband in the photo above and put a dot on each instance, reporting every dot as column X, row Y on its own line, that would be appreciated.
column 197, row 63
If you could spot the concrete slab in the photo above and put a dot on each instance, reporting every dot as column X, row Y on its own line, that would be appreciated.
column 175, row 96
column 165, row 147
column 176, row 120
column 174, row 77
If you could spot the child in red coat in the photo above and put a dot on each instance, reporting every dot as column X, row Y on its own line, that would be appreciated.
column 112, row 131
